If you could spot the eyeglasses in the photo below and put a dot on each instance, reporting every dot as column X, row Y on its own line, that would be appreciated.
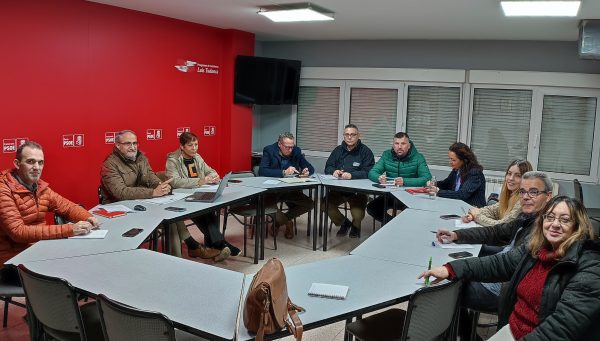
column 534, row 192
column 128, row 144
column 350, row 135
column 287, row 147
column 561, row 220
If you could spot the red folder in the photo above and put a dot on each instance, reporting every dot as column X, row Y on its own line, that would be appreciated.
column 106, row 214
column 417, row 190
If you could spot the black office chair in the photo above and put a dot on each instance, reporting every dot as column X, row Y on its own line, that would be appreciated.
column 121, row 322
column 8, row 291
column 52, row 304
column 431, row 313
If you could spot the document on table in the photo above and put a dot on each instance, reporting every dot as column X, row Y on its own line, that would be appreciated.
column 452, row 245
column 328, row 291
column 459, row 223
column 94, row 234
column 114, row 208
column 166, row 199
column 328, row 177
column 296, row 180
column 271, row 182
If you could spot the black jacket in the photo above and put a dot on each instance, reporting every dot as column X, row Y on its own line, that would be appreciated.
column 471, row 190
column 500, row 234
column 358, row 162
column 570, row 306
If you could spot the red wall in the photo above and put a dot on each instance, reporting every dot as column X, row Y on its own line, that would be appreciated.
column 74, row 67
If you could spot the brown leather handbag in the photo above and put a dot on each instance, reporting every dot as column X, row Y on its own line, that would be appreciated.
column 268, row 305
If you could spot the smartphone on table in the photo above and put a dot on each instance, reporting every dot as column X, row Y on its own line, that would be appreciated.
column 459, row 255
column 450, row 216
column 133, row 232
column 175, row 209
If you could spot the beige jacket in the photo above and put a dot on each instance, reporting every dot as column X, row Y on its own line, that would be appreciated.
column 177, row 170
column 123, row 179
column 490, row 215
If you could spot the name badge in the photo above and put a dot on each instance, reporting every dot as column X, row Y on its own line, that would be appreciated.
column 356, row 164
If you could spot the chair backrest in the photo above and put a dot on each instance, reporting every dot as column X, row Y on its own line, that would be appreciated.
column 577, row 190
column 53, row 302
column 100, row 195
column 122, row 322
column 431, row 311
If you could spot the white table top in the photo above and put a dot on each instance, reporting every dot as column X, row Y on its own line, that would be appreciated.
column 363, row 185
column 259, row 182
column 425, row 202
column 407, row 239
column 373, row 284
column 198, row 298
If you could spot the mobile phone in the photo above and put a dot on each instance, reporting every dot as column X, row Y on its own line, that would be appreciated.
column 234, row 181
column 133, row 232
column 379, row 186
column 458, row 255
column 450, row 216
column 175, row 209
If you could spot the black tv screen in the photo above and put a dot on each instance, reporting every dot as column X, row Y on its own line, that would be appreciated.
column 260, row 80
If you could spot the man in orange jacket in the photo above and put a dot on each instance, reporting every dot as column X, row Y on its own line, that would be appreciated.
column 24, row 202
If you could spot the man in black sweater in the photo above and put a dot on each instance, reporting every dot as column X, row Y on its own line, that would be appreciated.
column 349, row 160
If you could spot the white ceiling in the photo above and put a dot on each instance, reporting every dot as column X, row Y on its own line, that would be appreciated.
column 374, row 19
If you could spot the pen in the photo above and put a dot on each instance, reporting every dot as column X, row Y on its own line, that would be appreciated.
column 433, row 231
column 428, row 268
column 464, row 211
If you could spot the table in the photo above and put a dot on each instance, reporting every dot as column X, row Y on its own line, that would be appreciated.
column 395, row 283
column 407, row 239
column 259, row 182
column 198, row 298
column 425, row 202
column 356, row 186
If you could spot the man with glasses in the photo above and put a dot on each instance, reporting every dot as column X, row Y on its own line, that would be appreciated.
column 282, row 159
column 126, row 173
column 534, row 193
column 350, row 160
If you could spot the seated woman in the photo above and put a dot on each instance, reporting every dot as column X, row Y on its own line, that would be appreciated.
column 188, row 170
column 509, row 206
column 554, row 280
column 466, row 181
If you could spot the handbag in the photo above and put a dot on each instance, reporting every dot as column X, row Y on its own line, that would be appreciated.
column 267, row 303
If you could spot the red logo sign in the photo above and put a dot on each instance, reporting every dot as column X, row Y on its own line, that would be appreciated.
column 109, row 137
column 182, row 130
column 210, row 130
column 11, row 145
column 154, row 134
column 72, row 141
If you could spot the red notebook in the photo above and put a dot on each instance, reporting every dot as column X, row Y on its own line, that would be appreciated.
column 417, row 190
column 105, row 213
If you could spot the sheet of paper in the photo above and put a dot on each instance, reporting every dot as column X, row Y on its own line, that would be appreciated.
column 459, row 223
column 166, row 199
column 114, row 208
column 94, row 234
column 296, row 180
column 271, row 182
column 452, row 245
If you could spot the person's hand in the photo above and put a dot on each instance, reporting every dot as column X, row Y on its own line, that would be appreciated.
column 467, row 218
column 290, row 170
column 399, row 181
column 163, row 188
column 304, row 172
column 474, row 212
column 82, row 227
column 211, row 179
column 446, row 236
column 433, row 189
column 94, row 221
column 346, row 176
column 338, row 173
column 382, row 179
column 440, row 273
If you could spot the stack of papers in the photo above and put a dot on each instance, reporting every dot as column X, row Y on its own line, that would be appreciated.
column 452, row 245
column 328, row 291
column 296, row 180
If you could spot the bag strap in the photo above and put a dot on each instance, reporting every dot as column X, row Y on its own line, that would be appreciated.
column 295, row 327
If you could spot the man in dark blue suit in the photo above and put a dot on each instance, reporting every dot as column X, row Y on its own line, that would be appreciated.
column 279, row 160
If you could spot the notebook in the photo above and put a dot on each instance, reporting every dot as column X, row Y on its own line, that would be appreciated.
column 210, row 196
column 107, row 214
column 328, row 291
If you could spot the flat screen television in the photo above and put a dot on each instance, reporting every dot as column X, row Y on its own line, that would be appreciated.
column 260, row 80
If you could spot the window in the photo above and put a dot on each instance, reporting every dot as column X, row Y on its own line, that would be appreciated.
column 432, row 120
column 318, row 117
column 567, row 134
column 500, row 126
column 374, row 111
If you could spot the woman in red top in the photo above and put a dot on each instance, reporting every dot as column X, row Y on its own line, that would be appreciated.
column 553, row 291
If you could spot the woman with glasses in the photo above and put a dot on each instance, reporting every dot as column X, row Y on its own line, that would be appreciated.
column 554, row 280
column 466, row 181
column 509, row 207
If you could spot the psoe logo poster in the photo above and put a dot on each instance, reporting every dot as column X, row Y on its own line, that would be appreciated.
column 109, row 137
column 210, row 130
column 11, row 145
column 182, row 130
column 73, row 141
column 154, row 134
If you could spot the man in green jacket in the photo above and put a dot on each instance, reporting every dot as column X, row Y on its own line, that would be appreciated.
column 402, row 165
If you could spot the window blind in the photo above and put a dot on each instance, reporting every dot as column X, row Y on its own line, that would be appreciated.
column 374, row 112
column 500, row 126
column 567, row 134
column 432, row 120
column 317, row 119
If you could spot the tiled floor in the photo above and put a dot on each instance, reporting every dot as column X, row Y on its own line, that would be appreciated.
column 291, row 252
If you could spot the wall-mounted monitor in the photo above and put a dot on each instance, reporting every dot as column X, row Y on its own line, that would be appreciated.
column 260, row 80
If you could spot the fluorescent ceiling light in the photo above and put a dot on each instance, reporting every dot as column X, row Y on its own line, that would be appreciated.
column 296, row 12
column 540, row 8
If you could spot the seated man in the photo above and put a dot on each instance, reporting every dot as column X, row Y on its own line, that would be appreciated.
column 281, row 159
column 534, row 192
column 188, row 170
column 126, row 174
column 350, row 160
column 24, row 201
column 404, row 165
